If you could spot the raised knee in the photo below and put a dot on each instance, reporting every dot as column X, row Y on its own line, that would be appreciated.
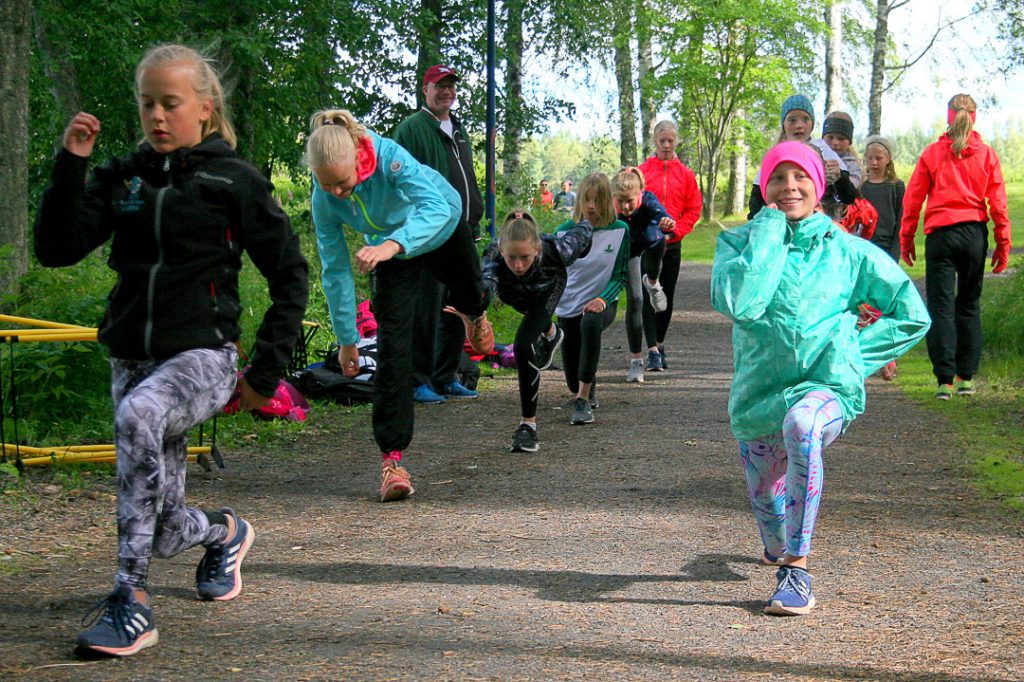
column 134, row 410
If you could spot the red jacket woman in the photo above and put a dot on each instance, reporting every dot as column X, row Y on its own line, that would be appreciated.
column 957, row 174
column 676, row 188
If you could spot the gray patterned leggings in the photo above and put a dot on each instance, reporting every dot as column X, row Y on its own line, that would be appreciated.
column 155, row 404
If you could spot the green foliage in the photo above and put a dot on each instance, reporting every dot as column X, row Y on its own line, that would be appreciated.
column 1004, row 330
column 733, row 57
column 9, row 476
column 280, row 61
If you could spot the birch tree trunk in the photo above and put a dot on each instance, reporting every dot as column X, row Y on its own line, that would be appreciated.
column 14, row 73
column 512, row 139
column 833, row 57
column 878, row 67
column 648, row 109
column 738, row 187
column 624, row 76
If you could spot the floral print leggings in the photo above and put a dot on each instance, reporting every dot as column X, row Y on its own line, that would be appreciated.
column 785, row 473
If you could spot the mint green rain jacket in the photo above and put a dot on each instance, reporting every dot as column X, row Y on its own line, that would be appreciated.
column 792, row 291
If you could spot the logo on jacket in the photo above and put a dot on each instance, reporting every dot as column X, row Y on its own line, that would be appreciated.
column 132, row 203
column 608, row 249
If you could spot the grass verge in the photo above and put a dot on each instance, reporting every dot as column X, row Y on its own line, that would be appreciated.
column 986, row 427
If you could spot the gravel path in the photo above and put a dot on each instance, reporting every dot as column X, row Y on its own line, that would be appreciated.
column 624, row 549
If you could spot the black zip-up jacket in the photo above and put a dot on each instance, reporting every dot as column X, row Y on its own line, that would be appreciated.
column 180, row 223
column 557, row 252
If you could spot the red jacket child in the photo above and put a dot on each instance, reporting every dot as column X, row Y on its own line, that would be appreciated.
column 956, row 188
column 675, row 185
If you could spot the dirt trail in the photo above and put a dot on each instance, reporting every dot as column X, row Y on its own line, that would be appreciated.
column 624, row 549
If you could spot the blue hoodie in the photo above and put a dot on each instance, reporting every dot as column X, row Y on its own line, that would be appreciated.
column 644, row 230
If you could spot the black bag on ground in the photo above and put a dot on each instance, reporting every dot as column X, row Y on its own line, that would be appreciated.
column 324, row 384
column 468, row 372
column 328, row 383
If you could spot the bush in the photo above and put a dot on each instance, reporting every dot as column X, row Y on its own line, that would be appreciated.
column 1004, row 329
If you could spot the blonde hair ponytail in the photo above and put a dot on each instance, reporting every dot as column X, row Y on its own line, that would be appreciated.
column 204, row 79
column 962, row 125
column 334, row 136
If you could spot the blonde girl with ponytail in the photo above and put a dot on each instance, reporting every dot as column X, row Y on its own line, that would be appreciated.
column 958, row 175
column 407, row 213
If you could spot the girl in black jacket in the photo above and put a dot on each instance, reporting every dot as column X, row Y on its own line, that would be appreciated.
column 181, row 210
column 527, row 270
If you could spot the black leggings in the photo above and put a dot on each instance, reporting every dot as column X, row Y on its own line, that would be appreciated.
column 454, row 264
column 581, row 348
column 953, row 273
column 656, row 324
column 536, row 321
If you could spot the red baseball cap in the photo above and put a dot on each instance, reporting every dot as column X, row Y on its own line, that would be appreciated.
column 437, row 72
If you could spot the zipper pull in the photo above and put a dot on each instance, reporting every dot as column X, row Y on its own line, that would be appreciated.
column 167, row 163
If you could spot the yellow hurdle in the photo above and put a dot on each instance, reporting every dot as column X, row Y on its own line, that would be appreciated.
column 46, row 324
column 101, row 459
column 48, row 456
column 69, row 335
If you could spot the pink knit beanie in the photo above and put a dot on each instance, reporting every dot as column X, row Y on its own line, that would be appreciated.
column 799, row 153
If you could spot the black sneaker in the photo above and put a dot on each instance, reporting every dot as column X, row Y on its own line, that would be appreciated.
column 219, row 574
column 664, row 358
column 544, row 349
column 581, row 412
column 592, row 396
column 120, row 624
column 525, row 440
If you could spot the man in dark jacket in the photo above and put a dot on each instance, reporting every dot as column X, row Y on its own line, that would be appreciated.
column 434, row 136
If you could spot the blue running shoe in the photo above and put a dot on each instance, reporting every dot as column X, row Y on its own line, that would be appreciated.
column 219, row 574
column 654, row 362
column 664, row 358
column 458, row 392
column 793, row 595
column 425, row 395
column 120, row 624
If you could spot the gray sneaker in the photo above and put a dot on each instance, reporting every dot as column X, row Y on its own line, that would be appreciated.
column 581, row 412
column 659, row 301
column 636, row 371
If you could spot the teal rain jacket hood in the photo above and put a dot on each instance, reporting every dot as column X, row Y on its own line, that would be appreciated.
column 792, row 290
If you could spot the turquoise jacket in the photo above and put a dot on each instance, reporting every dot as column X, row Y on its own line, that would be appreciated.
column 792, row 291
column 403, row 201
